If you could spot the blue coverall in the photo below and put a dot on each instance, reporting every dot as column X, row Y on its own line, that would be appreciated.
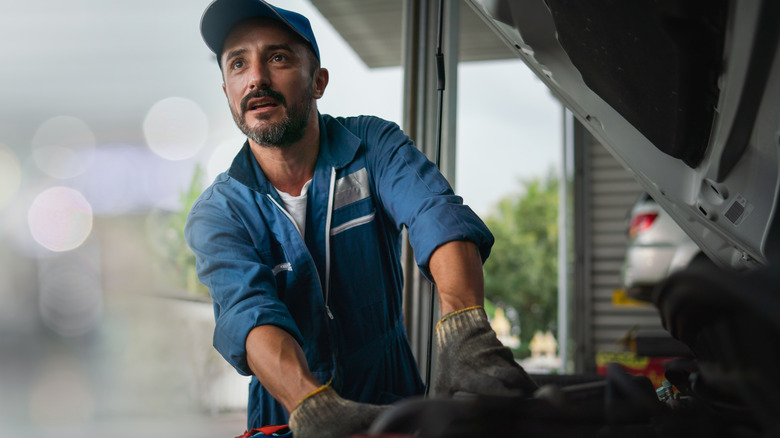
column 338, row 291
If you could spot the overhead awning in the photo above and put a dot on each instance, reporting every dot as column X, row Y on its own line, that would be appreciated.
column 373, row 28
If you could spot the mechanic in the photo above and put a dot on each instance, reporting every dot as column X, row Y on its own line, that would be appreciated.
column 299, row 243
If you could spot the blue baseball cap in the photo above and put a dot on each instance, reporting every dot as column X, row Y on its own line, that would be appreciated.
column 221, row 15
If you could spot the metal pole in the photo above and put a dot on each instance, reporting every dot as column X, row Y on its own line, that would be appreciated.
column 437, row 159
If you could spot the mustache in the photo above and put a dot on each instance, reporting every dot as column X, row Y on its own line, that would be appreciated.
column 275, row 95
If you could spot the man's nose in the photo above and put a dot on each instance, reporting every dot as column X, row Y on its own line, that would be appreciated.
column 259, row 78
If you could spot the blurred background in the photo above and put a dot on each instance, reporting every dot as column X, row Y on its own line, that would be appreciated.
column 112, row 121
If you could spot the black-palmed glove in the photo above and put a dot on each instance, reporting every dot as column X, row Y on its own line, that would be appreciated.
column 324, row 414
column 471, row 359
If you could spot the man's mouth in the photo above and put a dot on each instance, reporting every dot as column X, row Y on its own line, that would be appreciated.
column 256, row 104
column 262, row 100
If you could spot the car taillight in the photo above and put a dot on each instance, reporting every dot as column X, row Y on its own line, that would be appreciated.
column 640, row 223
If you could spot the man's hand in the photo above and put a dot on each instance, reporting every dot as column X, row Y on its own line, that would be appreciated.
column 472, row 360
column 470, row 357
column 324, row 414
column 315, row 411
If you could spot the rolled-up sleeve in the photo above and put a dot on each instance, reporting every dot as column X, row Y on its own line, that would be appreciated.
column 416, row 195
column 241, row 285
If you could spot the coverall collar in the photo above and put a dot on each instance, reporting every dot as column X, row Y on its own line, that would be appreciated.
column 338, row 147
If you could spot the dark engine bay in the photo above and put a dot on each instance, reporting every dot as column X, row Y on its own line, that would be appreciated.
column 729, row 388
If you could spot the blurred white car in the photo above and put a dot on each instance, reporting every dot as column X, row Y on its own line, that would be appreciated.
column 657, row 248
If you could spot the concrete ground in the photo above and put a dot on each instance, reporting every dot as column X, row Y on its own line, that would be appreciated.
column 220, row 426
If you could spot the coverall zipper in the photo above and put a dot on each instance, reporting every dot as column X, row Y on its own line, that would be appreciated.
column 331, row 195
column 334, row 376
column 287, row 214
column 327, row 236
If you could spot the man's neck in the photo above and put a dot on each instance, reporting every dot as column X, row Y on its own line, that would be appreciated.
column 290, row 167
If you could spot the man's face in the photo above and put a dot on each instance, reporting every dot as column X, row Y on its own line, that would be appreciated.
column 270, row 82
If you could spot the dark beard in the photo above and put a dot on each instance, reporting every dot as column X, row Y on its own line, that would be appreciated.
column 283, row 133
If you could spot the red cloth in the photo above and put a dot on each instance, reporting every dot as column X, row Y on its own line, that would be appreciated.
column 266, row 430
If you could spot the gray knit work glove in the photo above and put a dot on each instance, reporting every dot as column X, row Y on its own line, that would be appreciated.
column 471, row 359
column 324, row 414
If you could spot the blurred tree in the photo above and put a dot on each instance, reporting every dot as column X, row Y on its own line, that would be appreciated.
column 166, row 229
column 181, row 254
column 521, row 273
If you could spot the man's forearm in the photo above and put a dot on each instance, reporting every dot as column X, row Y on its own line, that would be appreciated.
column 470, row 357
column 280, row 365
column 456, row 268
column 315, row 410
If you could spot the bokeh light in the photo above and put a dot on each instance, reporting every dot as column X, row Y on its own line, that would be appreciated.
column 63, row 147
column 15, row 222
column 175, row 128
column 60, row 219
column 10, row 175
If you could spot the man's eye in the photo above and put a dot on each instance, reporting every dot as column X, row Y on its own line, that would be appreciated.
column 279, row 58
column 237, row 64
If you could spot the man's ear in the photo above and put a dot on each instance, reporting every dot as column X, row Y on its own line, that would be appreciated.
column 320, row 82
column 224, row 89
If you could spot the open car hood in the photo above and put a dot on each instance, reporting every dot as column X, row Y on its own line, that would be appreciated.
column 685, row 94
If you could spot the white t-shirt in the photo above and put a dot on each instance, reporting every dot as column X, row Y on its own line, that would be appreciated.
column 296, row 206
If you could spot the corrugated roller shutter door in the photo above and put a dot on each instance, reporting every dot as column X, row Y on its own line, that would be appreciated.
column 611, row 191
